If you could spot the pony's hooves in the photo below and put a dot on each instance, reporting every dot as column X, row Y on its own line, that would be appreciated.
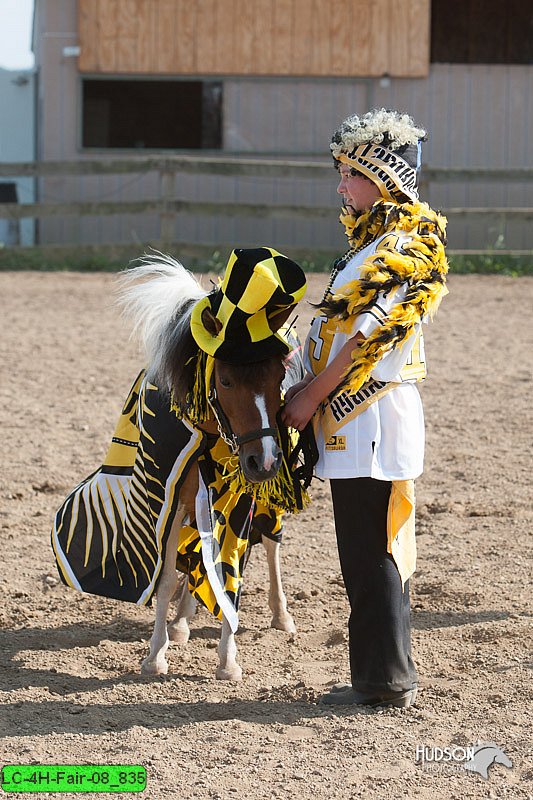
column 283, row 623
column 151, row 667
column 229, row 674
column 178, row 635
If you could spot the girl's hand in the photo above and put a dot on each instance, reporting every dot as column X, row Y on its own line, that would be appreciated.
column 299, row 410
column 293, row 390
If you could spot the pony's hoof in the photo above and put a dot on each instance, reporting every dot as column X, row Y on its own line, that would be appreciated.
column 229, row 673
column 283, row 622
column 152, row 667
column 178, row 635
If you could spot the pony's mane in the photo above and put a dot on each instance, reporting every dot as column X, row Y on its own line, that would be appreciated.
column 158, row 295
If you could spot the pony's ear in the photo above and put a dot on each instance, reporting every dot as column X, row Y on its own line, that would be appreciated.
column 279, row 318
column 212, row 325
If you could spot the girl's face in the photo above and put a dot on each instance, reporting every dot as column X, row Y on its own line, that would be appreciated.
column 358, row 192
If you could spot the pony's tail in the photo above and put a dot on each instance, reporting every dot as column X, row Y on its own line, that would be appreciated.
column 157, row 296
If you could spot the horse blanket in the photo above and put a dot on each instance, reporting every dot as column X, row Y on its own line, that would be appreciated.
column 109, row 536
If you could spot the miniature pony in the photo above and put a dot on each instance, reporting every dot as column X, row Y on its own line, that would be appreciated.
column 198, row 467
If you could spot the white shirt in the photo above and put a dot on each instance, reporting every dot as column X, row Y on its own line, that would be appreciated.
column 386, row 440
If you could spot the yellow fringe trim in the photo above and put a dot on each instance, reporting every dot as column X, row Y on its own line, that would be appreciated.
column 196, row 406
column 277, row 494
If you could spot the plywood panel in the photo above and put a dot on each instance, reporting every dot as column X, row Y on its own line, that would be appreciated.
column 373, row 40
column 130, row 41
column 320, row 38
column 187, row 36
column 107, row 30
column 147, row 45
column 224, row 39
column 166, row 31
column 341, row 37
column 88, row 28
column 262, row 32
column 206, row 33
column 302, row 50
column 282, row 37
column 409, row 38
column 244, row 44
column 266, row 37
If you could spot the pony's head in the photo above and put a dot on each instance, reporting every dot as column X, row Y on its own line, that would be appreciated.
column 246, row 400
column 220, row 353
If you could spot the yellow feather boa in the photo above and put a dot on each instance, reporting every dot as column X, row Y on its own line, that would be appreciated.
column 421, row 263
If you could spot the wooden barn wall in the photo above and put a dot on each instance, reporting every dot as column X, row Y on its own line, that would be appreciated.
column 263, row 37
column 477, row 115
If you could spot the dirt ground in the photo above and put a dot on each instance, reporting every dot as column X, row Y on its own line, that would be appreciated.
column 69, row 663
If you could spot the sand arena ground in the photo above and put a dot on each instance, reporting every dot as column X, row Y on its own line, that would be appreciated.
column 69, row 680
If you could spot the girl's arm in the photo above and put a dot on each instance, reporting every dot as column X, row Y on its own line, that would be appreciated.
column 292, row 390
column 304, row 401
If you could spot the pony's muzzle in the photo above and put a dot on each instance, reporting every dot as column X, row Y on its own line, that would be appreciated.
column 263, row 463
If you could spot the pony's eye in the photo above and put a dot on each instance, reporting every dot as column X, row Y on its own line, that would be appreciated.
column 225, row 383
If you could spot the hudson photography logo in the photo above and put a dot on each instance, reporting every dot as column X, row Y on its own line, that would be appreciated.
column 474, row 759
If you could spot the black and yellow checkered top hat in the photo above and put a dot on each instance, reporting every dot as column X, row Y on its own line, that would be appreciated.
column 259, row 288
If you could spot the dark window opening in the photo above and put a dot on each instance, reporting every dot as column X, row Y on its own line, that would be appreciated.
column 482, row 31
column 152, row 114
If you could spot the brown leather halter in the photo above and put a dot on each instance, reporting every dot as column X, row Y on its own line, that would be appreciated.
column 224, row 426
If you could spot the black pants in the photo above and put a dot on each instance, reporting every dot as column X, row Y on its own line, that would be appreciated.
column 379, row 625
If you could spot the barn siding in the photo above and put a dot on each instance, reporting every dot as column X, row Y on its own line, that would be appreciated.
column 266, row 37
column 477, row 115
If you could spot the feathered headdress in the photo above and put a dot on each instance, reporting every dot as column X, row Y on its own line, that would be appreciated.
column 385, row 147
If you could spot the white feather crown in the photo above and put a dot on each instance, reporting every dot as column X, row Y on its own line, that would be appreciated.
column 393, row 129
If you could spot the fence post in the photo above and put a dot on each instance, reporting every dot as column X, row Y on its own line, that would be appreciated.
column 167, row 232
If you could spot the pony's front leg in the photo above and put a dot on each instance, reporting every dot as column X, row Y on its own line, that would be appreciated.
column 228, row 669
column 155, row 663
column 178, row 629
column 281, row 619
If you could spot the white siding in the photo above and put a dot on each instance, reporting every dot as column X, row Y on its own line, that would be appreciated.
column 17, row 143
column 477, row 116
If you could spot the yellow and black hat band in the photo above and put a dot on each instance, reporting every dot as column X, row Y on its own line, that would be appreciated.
column 388, row 170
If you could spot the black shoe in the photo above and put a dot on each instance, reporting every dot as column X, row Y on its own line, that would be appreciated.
column 349, row 697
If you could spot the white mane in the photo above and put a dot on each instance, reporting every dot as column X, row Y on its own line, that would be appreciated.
column 153, row 295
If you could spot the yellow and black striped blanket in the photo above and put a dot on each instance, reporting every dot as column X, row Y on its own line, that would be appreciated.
column 109, row 536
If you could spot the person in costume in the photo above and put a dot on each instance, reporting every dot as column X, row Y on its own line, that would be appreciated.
column 364, row 356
